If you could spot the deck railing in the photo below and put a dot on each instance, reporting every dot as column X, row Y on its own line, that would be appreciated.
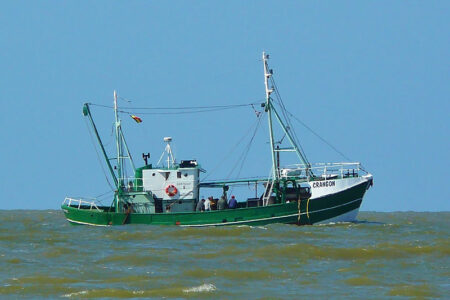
column 325, row 170
column 69, row 201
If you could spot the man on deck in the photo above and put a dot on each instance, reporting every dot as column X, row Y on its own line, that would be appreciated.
column 200, row 205
column 233, row 203
column 222, row 203
column 208, row 203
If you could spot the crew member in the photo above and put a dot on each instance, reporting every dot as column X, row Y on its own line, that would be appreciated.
column 200, row 205
column 208, row 204
column 233, row 203
column 222, row 203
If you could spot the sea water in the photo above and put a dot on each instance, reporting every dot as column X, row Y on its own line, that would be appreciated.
column 399, row 255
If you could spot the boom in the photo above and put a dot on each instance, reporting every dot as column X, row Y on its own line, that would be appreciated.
column 87, row 113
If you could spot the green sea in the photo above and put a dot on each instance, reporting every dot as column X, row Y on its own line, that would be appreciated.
column 399, row 255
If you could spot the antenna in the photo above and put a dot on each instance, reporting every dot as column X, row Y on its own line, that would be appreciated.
column 145, row 157
column 168, row 151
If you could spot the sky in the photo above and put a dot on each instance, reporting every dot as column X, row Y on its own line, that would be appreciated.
column 370, row 77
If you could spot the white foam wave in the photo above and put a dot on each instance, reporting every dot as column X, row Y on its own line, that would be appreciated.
column 252, row 227
column 74, row 294
column 206, row 287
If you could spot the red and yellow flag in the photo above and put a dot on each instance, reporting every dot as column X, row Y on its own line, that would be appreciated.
column 136, row 118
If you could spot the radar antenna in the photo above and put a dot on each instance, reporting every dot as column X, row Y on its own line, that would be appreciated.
column 169, row 154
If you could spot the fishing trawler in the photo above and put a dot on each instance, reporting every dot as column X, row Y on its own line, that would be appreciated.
column 168, row 193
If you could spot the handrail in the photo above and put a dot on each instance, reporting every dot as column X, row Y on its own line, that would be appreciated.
column 69, row 201
column 325, row 169
column 319, row 169
column 328, row 164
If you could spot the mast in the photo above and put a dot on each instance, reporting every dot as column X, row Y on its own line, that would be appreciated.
column 121, row 146
column 118, row 143
column 267, row 75
column 270, row 108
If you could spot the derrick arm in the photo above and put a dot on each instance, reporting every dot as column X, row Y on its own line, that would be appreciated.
column 270, row 109
column 87, row 113
column 291, row 140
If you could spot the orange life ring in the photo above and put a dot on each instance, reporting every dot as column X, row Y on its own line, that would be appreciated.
column 171, row 190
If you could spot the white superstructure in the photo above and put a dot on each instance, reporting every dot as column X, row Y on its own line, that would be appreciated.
column 176, row 185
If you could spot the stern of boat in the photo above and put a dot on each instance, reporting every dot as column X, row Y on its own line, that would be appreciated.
column 83, row 211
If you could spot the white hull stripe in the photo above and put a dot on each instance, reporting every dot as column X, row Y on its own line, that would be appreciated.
column 270, row 218
column 84, row 223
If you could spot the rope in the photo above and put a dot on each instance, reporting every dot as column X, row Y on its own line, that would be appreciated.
column 110, row 136
column 180, row 107
column 187, row 109
column 231, row 150
column 307, row 209
column 98, row 156
column 178, row 112
column 323, row 140
column 246, row 151
column 284, row 111
column 104, row 194
column 127, row 214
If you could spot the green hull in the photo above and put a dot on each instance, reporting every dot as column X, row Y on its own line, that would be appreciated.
column 307, row 213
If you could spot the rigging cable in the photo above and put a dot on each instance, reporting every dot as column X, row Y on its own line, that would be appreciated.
column 231, row 150
column 177, row 112
column 244, row 155
column 284, row 111
column 103, row 194
column 182, row 107
column 98, row 156
column 322, row 139
column 110, row 139
column 99, row 200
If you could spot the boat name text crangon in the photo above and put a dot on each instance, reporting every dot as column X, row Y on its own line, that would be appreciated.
column 320, row 184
